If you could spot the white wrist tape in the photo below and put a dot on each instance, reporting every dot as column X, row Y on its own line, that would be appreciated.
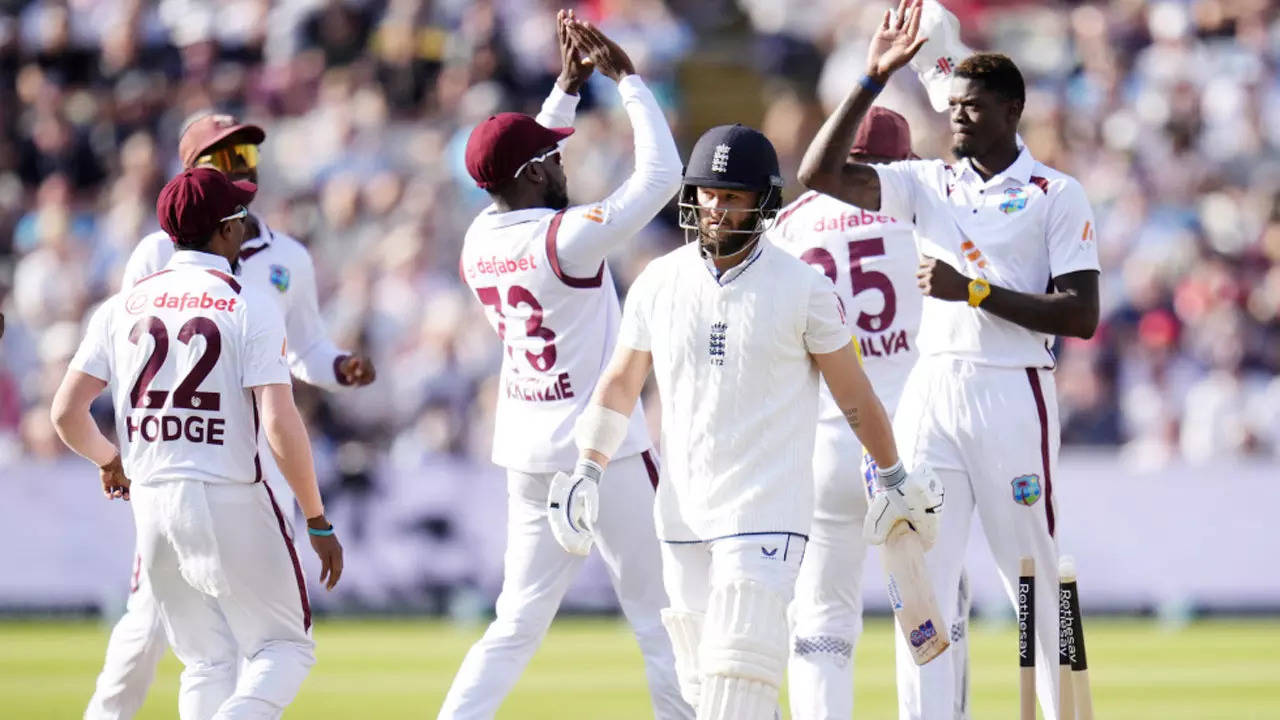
column 891, row 478
column 601, row 429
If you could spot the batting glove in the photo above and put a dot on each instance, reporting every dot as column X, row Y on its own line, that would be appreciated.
column 573, row 504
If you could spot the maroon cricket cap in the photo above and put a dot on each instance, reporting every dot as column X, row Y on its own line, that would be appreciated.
column 208, row 130
column 193, row 204
column 500, row 145
column 883, row 133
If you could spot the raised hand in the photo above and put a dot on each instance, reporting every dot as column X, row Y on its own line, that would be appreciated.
column 573, row 71
column 896, row 41
column 611, row 60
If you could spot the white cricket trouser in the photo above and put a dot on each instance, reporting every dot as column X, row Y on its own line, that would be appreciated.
column 138, row 642
column 991, row 434
column 826, row 614
column 265, row 618
column 537, row 572
column 692, row 570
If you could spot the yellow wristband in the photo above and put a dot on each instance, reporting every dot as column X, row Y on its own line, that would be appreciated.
column 979, row 289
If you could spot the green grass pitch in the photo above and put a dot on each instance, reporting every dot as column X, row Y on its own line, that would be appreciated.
column 590, row 669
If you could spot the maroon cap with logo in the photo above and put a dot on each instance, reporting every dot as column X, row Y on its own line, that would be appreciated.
column 883, row 133
column 500, row 145
column 208, row 130
column 193, row 204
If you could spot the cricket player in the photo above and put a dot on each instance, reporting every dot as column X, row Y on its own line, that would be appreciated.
column 538, row 268
column 872, row 260
column 736, row 331
column 1009, row 262
column 195, row 362
column 281, row 269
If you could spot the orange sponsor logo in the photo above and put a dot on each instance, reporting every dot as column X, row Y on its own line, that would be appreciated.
column 594, row 214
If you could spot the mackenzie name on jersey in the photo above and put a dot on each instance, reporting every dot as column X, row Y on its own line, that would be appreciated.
column 539, row 389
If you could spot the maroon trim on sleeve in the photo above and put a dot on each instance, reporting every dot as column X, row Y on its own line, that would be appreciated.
column 145, row 278
column 1033, row 376
column 257, row 458
column 337, row 370
column 573, row 282
column 235, row 284
column 1041, row 183
column 650, row 465
column 293, row 557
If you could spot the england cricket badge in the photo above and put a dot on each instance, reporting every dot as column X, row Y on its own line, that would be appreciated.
column 716, row 346
column 280, row 277
column 1026, row 489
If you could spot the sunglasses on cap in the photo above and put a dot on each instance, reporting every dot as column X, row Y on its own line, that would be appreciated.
column 233, row 158
column 554, row 151
column 241, row 213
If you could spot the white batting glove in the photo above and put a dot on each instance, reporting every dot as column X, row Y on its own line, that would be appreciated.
column 915, row 498
column 573, row 504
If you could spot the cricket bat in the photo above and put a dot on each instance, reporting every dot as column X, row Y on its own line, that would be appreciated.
column 911, row 594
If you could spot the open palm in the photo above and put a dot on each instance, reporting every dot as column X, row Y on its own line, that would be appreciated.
column 896, row 40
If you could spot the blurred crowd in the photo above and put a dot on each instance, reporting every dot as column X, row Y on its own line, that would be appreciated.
column 1163, row 110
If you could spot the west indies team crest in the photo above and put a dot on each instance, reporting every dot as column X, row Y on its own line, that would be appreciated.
column 1026, row 489
column 280, row 277
column 1014, row 200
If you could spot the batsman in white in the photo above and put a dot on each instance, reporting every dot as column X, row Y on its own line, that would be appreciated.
column 872, row 260
column 736, row 332
column 280, row 268
column 1009, row 262
column 538, row 267
column 193, row 360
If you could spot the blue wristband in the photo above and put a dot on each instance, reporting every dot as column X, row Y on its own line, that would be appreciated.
column 869, row 83
column 320, row 533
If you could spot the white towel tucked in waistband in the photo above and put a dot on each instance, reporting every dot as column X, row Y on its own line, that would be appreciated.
column 185, row 520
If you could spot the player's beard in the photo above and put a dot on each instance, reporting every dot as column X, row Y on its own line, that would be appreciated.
column 720, row 243
column 963, row 148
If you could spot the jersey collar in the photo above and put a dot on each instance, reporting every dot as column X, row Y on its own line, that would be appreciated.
column 728, row 275
column 195, row 258
column 1019, row 171
column 255, row 245
column 496, row 219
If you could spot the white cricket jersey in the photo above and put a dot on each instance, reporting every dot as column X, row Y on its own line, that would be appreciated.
column 180, row 351
column 739, row 388
column 546, row 289
column 872, row 260
column 1018, row 230
column 281, row 268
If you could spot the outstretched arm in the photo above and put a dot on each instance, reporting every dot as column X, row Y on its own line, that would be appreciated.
column 588, row 234
column 825, row 166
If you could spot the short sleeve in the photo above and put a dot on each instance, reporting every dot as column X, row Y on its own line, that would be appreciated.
column 634, row 332
column 264, row 346
column 93, row 357
column 1071, row 234
column 898, row 189
column 825, row 329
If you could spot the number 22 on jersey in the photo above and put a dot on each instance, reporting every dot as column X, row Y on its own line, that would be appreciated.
column 186, row 396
